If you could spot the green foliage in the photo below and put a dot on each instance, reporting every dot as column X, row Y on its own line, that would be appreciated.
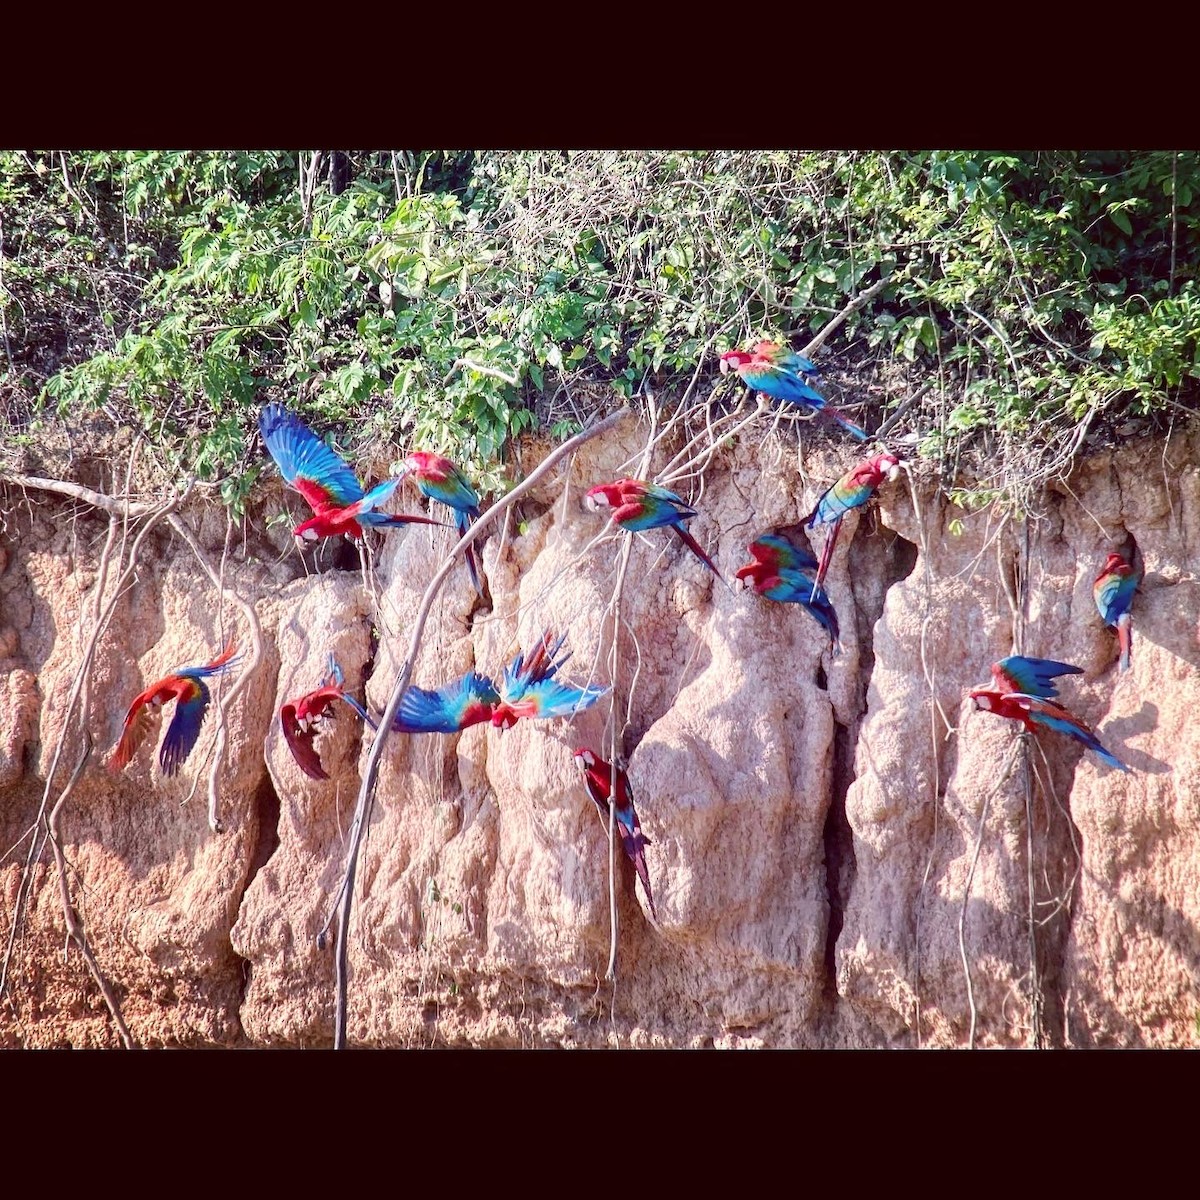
column 448, row 300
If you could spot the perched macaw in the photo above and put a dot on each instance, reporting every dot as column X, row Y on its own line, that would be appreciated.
column 1024, row 687
column 854, row 488
column 185, row 686
column 300, row 719
column 637, row 505
column 1113, row 590
column 597, row 775
column 439, row 479
column 782, row 374
column 528, row 689
column 336, row 497
column 776, row 571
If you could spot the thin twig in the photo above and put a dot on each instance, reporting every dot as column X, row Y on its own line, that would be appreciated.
column 370, row 777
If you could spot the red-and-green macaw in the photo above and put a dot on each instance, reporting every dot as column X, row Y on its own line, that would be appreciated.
column 528, row 689
column 1024, row 692
column 637, row 505
column 332, row 490
column 301, row 718
column 781, row 373
column 439, row 479
column 187, row 688
column 854, row 489
column 1113, row 591
column 776, row 571
column 597, row 776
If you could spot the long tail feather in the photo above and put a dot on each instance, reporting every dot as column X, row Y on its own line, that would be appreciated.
column 826, row 557
column 695, row 547
column 1125, row 639
column 462, row 521
column 846, row 423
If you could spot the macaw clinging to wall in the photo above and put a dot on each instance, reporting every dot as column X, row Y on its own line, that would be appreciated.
column 597, row 775
column 1113, row 591
column 637, row 505
column 854, row 489
column 187, row 688
column 439, row 479
column 782, row 374
column 528, row 690
column 1024, row 692
column 332, row 490
column 776, row 571
column 300, row 719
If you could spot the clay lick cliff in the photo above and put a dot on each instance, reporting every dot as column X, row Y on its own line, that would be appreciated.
column 843, row 850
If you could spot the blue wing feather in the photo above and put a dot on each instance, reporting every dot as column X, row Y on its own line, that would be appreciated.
column 1031, row 676
column 445, row 709
column 184, row 729
column 301, row 455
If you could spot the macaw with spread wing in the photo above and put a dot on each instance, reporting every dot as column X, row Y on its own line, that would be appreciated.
column 190, row 693
column 1113, row 590
column 776, row 571
column 439, row 479
column 528, row 689
column 301, row 718
column 854, row 489
column 637, row 505
column 332, row 490
column 781, row 373
column 1024, row 692
column 597, row 775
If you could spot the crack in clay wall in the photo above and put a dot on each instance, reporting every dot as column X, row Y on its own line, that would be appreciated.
column 812, row 820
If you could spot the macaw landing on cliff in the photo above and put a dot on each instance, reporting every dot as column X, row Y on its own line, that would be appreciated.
column 1113, row 590
column 1024, row 691
column 187, row 688
column 781, row 373
column 439, row 479
column 597, row 775
column 528, row 690
column 333, row 492
column 301, row 719
column 637, row 505
column 854, row 489
column 776, row 571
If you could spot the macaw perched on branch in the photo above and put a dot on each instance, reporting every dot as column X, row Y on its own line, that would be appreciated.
column 1113, row 591
column 185, row 686
column 637, row 505
column 597, row 775
column 776, row 571
column 781, row 373
column 336, row 497
column 300, row 719
column 1024, row 691
column 439, row 479
column 528, row 689
column 854, row 489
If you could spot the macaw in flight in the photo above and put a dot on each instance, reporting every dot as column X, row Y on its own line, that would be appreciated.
column 187, row 688
column 1113, row 591
column 854, row 489
column 781, row 373
column 333, row 492
column 637, row 505
column 1025, row 692
column 528, row 689
column 439, row 479
column 300, row 719
column 776, row 571
column 597, row 775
